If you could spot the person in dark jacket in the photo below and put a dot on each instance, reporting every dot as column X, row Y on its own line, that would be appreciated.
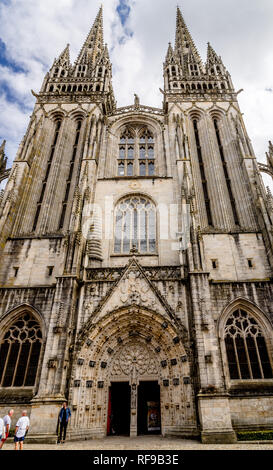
column 63, row 420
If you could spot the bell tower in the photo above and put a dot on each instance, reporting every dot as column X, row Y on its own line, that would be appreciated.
column 184, row 71
column 91, row 73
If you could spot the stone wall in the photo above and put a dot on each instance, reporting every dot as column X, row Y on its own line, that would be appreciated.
column 251, row 412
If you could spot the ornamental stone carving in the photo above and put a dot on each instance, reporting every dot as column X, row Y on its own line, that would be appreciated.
column 134, row 360
column 135, row 290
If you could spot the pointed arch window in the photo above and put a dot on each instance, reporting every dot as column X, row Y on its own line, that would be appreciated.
column 136, row 153
column 246, row 348
column 135, row 225
column 20, row 350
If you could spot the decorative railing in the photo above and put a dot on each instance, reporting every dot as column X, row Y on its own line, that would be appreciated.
column 138, row 109
column 162, row 273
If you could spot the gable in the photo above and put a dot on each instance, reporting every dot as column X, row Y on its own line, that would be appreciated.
column 133, row 288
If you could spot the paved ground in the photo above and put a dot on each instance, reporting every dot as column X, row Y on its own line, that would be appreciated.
column 141, row 443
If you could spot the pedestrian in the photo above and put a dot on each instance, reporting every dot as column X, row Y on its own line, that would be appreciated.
column 22, row 427
column 2, row 427
column 63, row 420
column 7, row 424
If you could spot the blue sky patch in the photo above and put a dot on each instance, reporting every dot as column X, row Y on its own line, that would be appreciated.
column 11, row 97
column 6, row 62
column 123, row 10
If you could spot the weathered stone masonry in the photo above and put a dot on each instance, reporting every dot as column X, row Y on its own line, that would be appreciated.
column 105, row 281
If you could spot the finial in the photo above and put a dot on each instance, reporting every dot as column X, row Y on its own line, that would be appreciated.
column 3, row 158
column 2, row 147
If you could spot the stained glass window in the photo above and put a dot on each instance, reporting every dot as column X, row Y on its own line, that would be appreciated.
column 20, row 352
column 136, row 144
column 246, row 348
column 135, row 225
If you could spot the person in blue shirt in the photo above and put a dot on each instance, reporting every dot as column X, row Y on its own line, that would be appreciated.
column 63, row 420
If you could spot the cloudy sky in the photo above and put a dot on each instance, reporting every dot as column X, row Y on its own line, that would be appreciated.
column 34, row 32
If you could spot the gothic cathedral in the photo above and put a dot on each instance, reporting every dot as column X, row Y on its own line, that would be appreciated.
column 137, row 256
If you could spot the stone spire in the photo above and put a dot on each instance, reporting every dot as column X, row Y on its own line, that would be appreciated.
column 93, row 46
column 184, row 72
column 89, row 77
column 185, row 47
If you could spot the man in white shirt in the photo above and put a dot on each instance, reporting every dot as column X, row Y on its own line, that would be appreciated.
column 2, row 427
column 7, row 424
column 21, row 429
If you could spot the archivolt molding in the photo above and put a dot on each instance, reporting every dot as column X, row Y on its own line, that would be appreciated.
column 154, row 123
column 117, row 199
column 57, row 113
column 195, row 113
column 217, row 113
column 120, row 343
column 77, row 114
column 130, row 345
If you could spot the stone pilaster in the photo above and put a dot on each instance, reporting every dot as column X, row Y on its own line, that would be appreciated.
column 213, row 407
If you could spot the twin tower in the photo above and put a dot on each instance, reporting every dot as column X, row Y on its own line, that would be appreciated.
column 136, row 256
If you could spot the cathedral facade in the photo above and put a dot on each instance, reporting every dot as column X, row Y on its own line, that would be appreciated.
column 136, row 256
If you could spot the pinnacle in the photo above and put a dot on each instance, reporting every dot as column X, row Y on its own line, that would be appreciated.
column 212, row 57
column 2, row 147
column 64, row 57
column 3, row 159
column 269, row 155
column 93, row 45
column 169, row 52
column 106, row 52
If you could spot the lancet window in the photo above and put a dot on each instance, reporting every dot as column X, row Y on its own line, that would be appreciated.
column 48, row 169
column 126, row 153
column 136, row 153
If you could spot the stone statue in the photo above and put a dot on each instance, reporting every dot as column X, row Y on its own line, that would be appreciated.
column 136, row 101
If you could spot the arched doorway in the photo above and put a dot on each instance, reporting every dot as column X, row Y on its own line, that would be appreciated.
column 134, row 374
column 132, row 362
